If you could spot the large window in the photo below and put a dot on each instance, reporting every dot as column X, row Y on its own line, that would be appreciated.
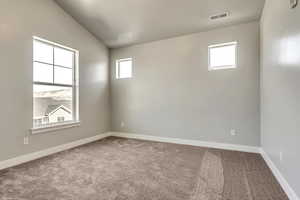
column 124, row 68
column 54, row 84
column 222, row 56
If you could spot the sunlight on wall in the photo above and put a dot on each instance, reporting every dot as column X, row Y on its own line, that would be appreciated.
column 290, row 51
column 99, row 73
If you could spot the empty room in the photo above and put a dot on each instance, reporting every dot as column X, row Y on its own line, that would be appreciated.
column 150, row 100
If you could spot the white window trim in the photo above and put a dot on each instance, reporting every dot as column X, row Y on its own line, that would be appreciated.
column 55, row 127
column 211, row 68
column 68, row 124
column 118, row 67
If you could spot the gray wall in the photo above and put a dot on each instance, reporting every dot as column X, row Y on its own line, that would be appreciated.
column 19, row 21
column 280, row 94
column 172, row 93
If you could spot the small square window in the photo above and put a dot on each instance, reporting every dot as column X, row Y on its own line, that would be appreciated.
column 222, row 56
column 124, row 68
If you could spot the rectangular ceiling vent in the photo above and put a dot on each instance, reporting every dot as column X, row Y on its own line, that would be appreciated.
column 219, row 16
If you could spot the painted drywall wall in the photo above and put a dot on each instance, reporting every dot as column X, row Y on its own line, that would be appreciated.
column 280, row 82
column 172, row 93
column 19, row 21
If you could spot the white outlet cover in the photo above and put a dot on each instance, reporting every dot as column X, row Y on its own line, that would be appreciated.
column 233, row 132
column 26, row 140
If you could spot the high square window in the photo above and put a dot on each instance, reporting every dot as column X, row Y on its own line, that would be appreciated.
column 124, row 68
column 222, row 56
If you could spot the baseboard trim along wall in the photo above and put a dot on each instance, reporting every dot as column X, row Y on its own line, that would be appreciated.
column 234, row 147
column 36, row 155
column 280, row 178
column 252, row 149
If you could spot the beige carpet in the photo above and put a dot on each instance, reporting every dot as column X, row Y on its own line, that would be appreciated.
column 123, row 169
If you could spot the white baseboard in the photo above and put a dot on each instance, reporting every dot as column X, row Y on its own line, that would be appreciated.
column 234, row 147
column 280, row 178
column 36, row 155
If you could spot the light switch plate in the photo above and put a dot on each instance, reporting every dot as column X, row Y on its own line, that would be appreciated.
column 232, row 132
column 293, row 3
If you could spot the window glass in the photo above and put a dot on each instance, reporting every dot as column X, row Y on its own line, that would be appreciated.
column 52, row 103
column 222, row 56
column 124, row 68
column 42, row 52
column 42, row 72
column 63, row 57
column 63, row 75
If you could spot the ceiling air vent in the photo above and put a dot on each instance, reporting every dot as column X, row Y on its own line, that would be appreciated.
column 219, row 16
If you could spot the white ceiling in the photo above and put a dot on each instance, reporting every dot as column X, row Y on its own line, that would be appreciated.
column 125, row 22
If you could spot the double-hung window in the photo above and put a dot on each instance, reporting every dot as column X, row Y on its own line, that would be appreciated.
column 55, row 84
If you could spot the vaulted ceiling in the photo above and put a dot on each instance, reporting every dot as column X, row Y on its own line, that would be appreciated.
column 125, row 22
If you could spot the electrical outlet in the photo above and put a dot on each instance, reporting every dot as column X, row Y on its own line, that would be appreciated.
column 26, row 140
column 280, row 156
column 233, row 132
column 122, row 124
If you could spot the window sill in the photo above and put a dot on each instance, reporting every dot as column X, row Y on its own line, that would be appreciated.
column 221, row 67
column 55, row 127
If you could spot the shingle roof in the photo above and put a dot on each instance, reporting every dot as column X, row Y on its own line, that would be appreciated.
column 52, row 108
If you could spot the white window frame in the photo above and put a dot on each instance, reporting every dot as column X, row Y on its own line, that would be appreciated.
column 118, row 67
column 212, row 68
column 75, row 92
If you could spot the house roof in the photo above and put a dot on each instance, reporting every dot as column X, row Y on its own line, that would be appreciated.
column 52, row 108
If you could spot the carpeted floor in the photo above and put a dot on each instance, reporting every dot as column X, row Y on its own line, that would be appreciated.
column 125, row 169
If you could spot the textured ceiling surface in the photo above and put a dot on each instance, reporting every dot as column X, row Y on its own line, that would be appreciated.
column 125, row 22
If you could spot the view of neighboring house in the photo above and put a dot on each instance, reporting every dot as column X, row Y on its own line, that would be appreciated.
column 50, row 107
column 54, row 114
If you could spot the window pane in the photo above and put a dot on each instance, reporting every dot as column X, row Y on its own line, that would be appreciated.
column 42, row 52
column 63, row 57
column 51, row 104
column 42, row 73
column 63, row 75
column 223, row 56
column 125, row 69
